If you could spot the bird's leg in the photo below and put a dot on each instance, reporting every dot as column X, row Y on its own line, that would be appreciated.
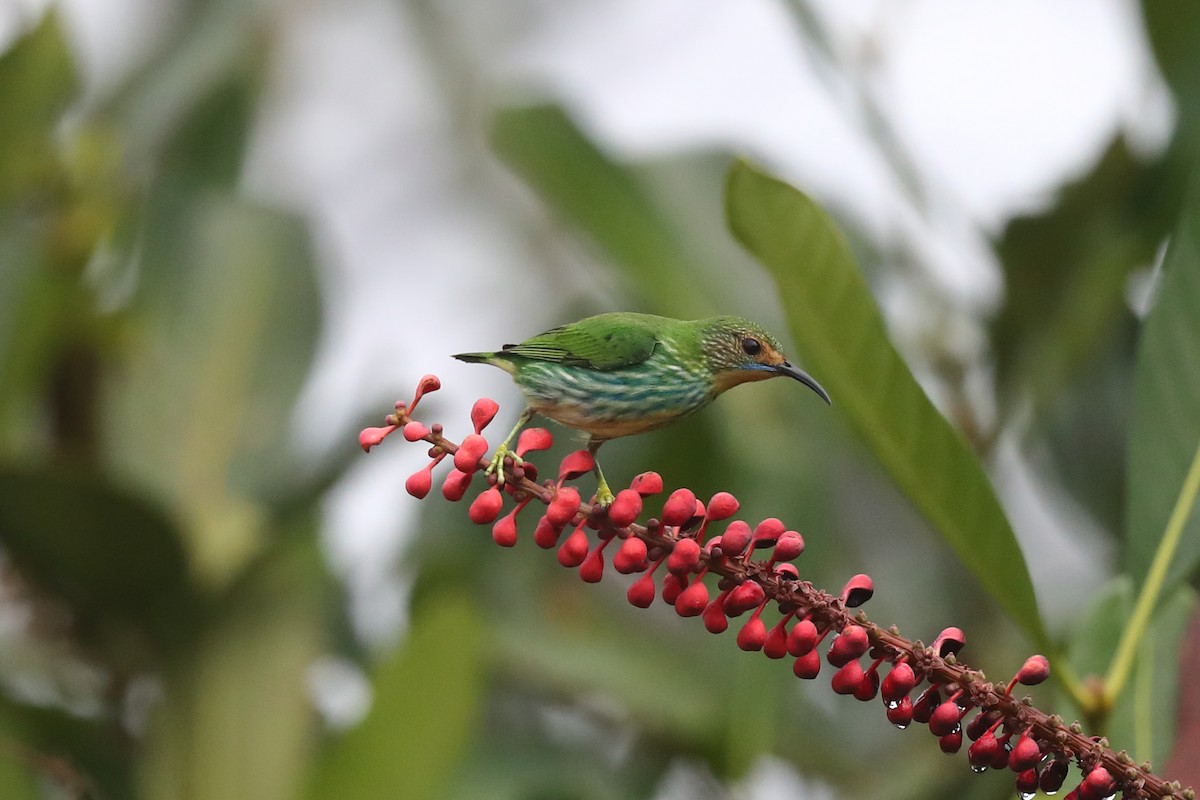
column 604, row 495
column 502, row 452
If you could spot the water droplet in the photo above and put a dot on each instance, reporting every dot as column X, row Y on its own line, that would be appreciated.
column 892, row 704
column 1026, row 795
column 901, row 725
column 978, row 768
column 1111, row 796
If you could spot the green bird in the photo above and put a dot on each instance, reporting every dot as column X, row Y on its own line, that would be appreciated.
column 623, row 373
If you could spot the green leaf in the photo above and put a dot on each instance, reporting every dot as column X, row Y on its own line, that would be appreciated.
column 836, row 325
column 235, row 719
column 426, row 701
column 37, row 81
column 1165, row 431
column 112, row 556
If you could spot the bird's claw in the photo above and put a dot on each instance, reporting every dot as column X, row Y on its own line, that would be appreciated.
column 496, row 467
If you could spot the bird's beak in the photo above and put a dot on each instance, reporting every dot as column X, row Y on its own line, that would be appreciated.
column 792, row 371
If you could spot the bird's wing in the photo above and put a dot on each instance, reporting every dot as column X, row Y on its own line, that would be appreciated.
column 596, row 343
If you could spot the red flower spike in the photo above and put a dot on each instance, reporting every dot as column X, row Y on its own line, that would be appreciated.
column 868, row 687
column 455, row 485
column 483, row 412
column 581, row 462
column 504, row 532
column 857, row 591
column 641, row 592
column 631, row 556
column 898, row 683
column 735, row 538
column 1035, row 670
column 951, row 743
column 533, row 439
column 900, row 713
column 789, row 546
column 369, row 437
column 693, row 600
column 574, row 550
column 802, row 638
column 546, row 534
column 486, row 507
column 982, row 752
column 1051, row 778
column 1098, row 784
column 592, row 568
column 563, row 507
column 849, row 645
column 714, row 617
column 742, row 598
column 949, row 642
column 415, row 432
column 679, row 508
column 1027, row 781
column 767, row 533
column 427, row 384
column 723, row 505
column 775, row 645
column 421, row 481
column 472, row 450
column 673, row 586
column 847, row 678
column 807, row 666
column 625, row 508
column 924, row 706
column 685, row 557
column 753, row 634
column 647, row 484
column 945, row 718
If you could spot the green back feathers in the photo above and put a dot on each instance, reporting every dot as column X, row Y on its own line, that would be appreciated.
column 604, row 342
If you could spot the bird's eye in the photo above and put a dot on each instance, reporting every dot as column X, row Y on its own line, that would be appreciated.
column 751, row 346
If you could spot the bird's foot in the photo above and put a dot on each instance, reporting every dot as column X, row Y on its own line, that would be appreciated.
column 604, row 495
column 496, row 467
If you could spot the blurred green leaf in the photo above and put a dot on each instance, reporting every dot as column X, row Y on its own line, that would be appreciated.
column 227, row 317
column 1165, row 431
column 37, row 81
column 235, row 719
column 426, row 702
column 17, row 782
column 545, row 147
column 1171, row 28
column 837, row 327
column 113, row 557
column 1066, row 272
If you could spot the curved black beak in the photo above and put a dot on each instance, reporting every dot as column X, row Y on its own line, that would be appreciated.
column 792, row 371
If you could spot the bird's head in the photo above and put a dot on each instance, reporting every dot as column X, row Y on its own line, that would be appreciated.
column 739, row 351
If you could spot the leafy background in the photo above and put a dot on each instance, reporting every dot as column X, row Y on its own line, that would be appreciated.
column 207, row 591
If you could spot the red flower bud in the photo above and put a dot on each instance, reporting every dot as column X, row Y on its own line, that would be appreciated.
column 714, row 617
column 735, row 538
column 546, row 533
column 807, row 666
column 631, row 556
column 592, row 568
column 849, row 645
column 767, row 533
column 504, row 532
column 415, row 432
column 486, row 507
column 847, row 678
column 945, row 718
column 743, row 597
column 775, row 645
column 581, row 462
column 455, row 485
column 723, row 505
column 563, row 507
column 949, row 641
column 1025, row 755
column 923, row 708
column 789, row 546
column 483, row 412
column 983, row 751
column 470, row 452
column 753, row 634
column 641, row 592
column 802, row 638
column 574, row 550
column 1097, row 784
column 533, row 439
column 679, row 508
column 1035, row 670
column 900, row 712
column 427, row 384
column 369, row 437
column 857, row 591
column 1051, row 778
column 625, row 508
column 685, row 557
column 868, row 687
column 952, row 742
column 646, row 484
column 673, row 586
column 899, row 682
column 1027, row 781
column 420, row 482
column 693, row 600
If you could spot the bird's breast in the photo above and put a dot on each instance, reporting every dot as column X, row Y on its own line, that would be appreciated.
column 611, row 403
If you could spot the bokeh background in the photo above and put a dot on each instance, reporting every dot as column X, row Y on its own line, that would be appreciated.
column 234, row 232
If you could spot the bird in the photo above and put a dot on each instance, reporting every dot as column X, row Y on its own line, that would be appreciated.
column 624, row 373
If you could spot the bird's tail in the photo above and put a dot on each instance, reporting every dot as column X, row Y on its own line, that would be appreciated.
column 474, row 358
